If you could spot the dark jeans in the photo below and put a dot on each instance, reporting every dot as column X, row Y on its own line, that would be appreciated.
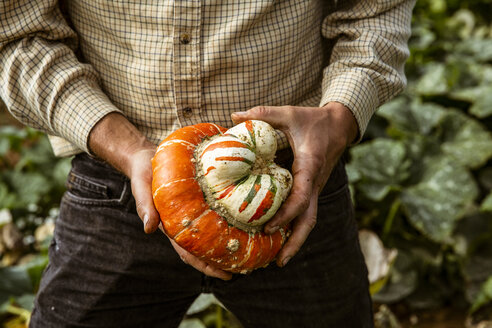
column 104, row 271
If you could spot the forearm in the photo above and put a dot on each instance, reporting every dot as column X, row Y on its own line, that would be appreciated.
column 116, row 140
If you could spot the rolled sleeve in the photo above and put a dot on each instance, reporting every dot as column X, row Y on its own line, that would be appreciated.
column 367, row 61
column 80, row 107
column 42, row 82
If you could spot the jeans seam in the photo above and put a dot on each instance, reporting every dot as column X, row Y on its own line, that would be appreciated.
column 123, row 198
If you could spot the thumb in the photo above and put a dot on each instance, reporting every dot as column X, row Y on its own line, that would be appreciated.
column 145, row 206
column 269, row 114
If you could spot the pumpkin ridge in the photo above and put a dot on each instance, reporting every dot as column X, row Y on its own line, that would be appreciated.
column 249, row 247
column 252, row 193
column 223, row 144
column 174, row 141
column 167, row 184
column 249, row 127
column 267, row 201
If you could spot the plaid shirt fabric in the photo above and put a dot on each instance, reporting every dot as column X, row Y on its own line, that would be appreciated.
column 167, row 64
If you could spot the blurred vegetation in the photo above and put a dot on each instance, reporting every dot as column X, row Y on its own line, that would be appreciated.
column 31, row 184
column 422, row 179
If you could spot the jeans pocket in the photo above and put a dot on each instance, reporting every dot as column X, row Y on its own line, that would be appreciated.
column 85, row 190
column 328, row 196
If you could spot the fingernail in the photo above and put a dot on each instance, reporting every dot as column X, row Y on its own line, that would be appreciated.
column 145, row 220
column 272, row 230
column 286, row 260
column 239, row 113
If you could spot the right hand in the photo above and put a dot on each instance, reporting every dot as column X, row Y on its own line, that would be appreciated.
column 141, row 181
column 118, row 142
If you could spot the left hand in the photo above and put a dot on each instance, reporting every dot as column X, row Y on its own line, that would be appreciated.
column 318, row 137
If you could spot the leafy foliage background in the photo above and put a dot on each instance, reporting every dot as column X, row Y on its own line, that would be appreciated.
column 421, row 179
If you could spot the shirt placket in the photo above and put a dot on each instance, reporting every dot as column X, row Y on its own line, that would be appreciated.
column 186, row 55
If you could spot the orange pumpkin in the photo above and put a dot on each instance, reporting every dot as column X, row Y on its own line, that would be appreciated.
column 215, row 189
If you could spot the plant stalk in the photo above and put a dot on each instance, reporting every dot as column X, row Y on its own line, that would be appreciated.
column 388, row 223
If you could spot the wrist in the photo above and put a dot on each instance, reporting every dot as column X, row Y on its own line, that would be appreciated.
column 346, row 125
column 116, row 140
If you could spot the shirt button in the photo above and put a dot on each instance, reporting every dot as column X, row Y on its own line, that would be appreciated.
column 187, row 112
column 184, row 38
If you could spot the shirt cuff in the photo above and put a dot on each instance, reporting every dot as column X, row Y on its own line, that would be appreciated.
column 78, row 110
column 356, row 91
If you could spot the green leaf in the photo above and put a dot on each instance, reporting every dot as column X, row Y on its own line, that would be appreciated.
column 39, row 154
column 7, row 199
column 416, row 117
column 402, row 281
column 438, row 6
column 35, row 268
column 442, row 197
column 352, row 173
column 480, row 97
column 29, row 187
column 202, row 302
column 26, row 301
column 480, row 49
column 4, row 146
column 381, row 165
column 463, row 22
column 375, row 191
column 434, row 81
column 473, row 243
column 423, row 37
column 484, row 297
column 464, row 139
column 487, row 204
column 192, row 323
column 15, row 282
column 61, row 170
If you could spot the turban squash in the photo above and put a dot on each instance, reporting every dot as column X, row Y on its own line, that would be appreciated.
column 214, row 190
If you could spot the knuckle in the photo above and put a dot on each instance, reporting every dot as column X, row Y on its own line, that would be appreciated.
column 261, row 110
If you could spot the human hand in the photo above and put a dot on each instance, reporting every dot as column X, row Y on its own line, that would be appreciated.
column 141, row 181
column 318, row 137
column 118, row 142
